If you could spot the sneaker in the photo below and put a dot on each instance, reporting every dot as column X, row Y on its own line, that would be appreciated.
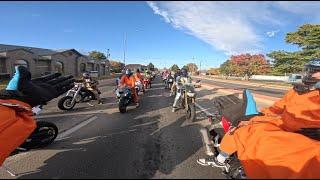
column 100, row 103
column 174, row 109
column 211, row 161
column 137, row 105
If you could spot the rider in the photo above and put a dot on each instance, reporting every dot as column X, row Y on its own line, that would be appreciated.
column 180, row 82
column 147, row 75
column 285, row 141
column 17, row 102
column 139, row 77
column 129, row 81
column 92, row 84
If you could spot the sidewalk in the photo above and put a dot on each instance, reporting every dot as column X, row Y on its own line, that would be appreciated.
column 259, row 84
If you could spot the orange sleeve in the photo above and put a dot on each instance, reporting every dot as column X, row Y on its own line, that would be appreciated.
column 15, row 128
column 278, row 107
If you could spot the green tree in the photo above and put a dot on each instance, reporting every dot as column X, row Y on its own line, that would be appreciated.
column 97, row 55
column 227, row 68
column 150, row 66
column 174, row 68
column 192, row 67
column 307, row 37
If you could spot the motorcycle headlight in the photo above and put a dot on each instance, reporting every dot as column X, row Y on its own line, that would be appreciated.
column 191, row 94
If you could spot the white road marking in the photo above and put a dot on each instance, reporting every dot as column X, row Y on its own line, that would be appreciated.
column 204, row 110
column 75, row 128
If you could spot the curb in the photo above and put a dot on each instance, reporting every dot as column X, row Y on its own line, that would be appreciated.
column 246, row 83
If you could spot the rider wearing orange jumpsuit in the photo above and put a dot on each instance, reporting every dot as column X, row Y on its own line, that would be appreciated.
column 275, row 145
column 129, row 81
column 16, row 103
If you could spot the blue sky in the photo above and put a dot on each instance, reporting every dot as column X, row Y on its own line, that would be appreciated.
column 163, row 33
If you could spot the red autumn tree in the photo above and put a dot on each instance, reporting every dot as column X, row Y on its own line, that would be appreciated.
column 248, row 65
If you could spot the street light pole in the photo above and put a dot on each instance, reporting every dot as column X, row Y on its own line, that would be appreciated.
column 125, row 48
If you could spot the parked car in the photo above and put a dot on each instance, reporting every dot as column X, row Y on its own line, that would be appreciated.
column 295, row 78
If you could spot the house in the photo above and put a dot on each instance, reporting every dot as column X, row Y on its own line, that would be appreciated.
column 42, row 61
column 134, row 67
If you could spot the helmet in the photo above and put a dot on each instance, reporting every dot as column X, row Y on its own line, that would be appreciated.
column 138, row 70
column 128, row 72
column 184, row 72
column 310, row 68
column 86, row 75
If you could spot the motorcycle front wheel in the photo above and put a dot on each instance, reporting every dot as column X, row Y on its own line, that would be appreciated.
column 65, row 103
column 43, row 135
column 191, row 113
column 122, row 105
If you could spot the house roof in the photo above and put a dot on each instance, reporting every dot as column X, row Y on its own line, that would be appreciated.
column 36, row 51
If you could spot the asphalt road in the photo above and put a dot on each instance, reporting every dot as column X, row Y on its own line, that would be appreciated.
column 96, row 141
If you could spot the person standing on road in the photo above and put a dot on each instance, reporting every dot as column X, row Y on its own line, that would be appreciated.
column 285, row 141
column 17, row 102
column 129, row 81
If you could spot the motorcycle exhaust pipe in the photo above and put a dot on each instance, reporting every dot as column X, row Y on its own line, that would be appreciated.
column 206, row 141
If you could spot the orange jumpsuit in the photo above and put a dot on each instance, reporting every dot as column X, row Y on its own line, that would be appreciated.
column 130, row 82
column 16, row 125
column 268, row 146
column 138, row 77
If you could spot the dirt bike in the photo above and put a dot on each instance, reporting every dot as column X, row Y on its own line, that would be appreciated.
column 79, row 93
column 188, row 100
column 212, row 136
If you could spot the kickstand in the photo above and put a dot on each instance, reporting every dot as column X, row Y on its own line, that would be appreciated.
column 8, row 171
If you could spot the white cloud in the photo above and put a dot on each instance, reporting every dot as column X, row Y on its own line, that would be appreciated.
column 231, row 27
column 272, row 33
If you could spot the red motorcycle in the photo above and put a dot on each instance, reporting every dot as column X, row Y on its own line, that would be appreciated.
column 146, row 83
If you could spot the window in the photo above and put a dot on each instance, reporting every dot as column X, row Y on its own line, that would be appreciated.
column 58, row 67
column 21, row 63
column 82, row 67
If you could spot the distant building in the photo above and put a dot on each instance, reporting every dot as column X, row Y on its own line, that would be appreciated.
column 134, row 67
column 43, row 61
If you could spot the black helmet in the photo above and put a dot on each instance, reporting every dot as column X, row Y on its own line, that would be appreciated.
column 184, row 72
column 138, row 70
column 310, row 68
column 128, row 72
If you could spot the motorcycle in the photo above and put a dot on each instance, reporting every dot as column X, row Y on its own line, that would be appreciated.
column 44, row 134
column 188, row 100
column 170, row 82
column 79, row 93
column 139, row 87
column 124, row 98
column 146, row 83
column 211, row 138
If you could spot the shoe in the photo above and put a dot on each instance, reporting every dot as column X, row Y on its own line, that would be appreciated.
column 211, row 161
column 137, row 105
column 174, row 109
column 100, row 103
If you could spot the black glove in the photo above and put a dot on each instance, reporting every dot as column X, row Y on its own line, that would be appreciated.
column 235, row 110
column 36, row 91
